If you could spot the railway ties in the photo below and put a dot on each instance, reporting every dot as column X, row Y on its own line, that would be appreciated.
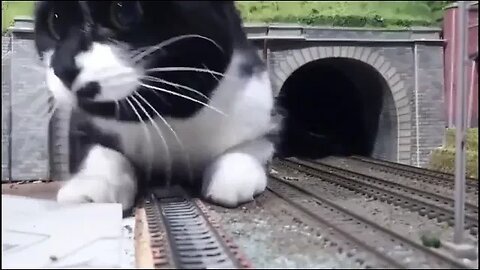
column 182, row 233
column 436, row 207
column 426, row 175
column 364, row 241
column 442, row 201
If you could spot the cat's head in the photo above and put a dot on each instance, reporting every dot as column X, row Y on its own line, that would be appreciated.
column 126, row 59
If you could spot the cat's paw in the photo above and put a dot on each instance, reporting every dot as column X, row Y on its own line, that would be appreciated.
column 98, row 189
column 233, row 179
column 106, row 176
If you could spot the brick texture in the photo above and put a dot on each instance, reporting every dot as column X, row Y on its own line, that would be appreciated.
column 39, row 147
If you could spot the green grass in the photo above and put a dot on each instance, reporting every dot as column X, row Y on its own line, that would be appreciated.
column 443, row 159
column 472, row 139
column 12, row 9
column 391, row 14
column 385, row 14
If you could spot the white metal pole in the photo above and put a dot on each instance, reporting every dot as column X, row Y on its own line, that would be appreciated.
column 460, row 126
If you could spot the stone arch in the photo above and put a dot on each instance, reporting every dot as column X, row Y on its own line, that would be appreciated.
column 398, row 92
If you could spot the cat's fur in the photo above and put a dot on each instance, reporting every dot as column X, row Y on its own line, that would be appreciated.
column 221, row 143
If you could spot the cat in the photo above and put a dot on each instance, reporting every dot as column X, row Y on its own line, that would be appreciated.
column 164, row 91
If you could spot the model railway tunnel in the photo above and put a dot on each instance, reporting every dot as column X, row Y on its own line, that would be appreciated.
column 337, row 106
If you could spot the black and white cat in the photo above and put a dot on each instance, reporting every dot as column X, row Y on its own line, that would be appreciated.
column 169, row 90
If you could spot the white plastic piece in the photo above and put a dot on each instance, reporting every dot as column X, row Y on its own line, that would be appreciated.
column 45, row 234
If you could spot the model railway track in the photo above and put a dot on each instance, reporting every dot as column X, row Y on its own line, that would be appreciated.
column 363, row 241
column 181, row 233
column 471, row 210
column 426, row 175
column 433, row 206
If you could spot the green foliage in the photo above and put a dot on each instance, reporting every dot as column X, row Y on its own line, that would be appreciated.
column 383, row 14
column 12, row 9
column 443, row 159
column 437, row 9
column 430, row 241
column 472, row 139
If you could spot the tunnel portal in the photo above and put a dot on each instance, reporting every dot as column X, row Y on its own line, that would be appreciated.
column 337, row 106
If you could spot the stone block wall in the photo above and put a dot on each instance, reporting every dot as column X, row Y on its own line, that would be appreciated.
column 431, row 117
column 6, row 86
column 40, row 146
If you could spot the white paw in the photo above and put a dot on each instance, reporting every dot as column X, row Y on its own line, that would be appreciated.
column 91, row 189
column 233, row 179
column 106, row 177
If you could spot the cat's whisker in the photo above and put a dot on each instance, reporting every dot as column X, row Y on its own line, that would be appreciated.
column 164, row 100
column 117, row 83
column 170, row 41
column 168, row 69
column 106, row 76
column 117, row 76
column 124, row 46
column 136, row 52
column 148, row 137
column 168, row 165
column 139, row 50
column 213, row 75
column 183, row 96
column 187, row 157
column 155, row 79
column 161, row 97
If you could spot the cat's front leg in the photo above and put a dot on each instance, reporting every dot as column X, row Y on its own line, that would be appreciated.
column 106, row 176
column 239, row 174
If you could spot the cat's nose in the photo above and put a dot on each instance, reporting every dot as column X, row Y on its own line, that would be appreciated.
column 89, row 90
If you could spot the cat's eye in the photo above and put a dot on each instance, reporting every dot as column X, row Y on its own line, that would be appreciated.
column 125, row 14
column 54, row 24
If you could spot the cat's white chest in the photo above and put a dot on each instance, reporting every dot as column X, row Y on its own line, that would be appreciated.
column 246, row 105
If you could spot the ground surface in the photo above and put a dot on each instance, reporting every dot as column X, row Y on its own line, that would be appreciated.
column 270, row 236
column 274, row 233
column 270, row 220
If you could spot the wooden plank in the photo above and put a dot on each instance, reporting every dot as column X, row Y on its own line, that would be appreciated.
column 143, row 250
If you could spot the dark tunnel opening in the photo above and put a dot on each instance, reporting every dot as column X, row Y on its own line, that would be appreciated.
column 333, row 107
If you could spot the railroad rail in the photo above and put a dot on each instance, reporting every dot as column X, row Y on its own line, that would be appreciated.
column 404, row 177
column 427, row 175
column 433, row 206
column 363, row 241
column 471, row 210
column 176, row 231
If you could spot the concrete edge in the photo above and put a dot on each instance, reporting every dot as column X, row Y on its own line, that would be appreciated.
column 27, row 25
column 347, row 40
